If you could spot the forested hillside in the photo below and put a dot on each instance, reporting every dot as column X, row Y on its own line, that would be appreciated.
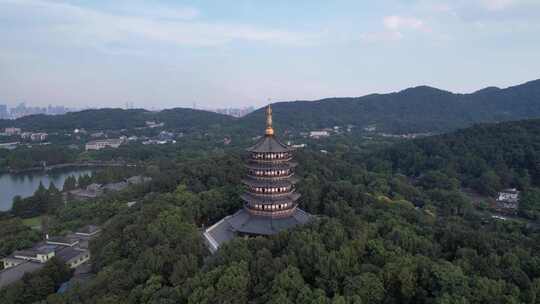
column 419, row 109
column 116, row 119
column 486, row 158
column 508, row 153
column 380, row 236
column 393, row 224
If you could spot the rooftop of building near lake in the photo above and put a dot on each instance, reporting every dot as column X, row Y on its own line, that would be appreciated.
column 88, row 230
column 13, row 274
column 40, row 248
column 62, row 240
column 71, row 249
column 68, row 253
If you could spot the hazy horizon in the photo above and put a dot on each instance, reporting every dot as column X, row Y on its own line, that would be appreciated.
column 210, row 108
column 215, row 54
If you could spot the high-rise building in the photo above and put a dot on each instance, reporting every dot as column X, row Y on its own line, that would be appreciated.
column 270, row 201
column 4, row 111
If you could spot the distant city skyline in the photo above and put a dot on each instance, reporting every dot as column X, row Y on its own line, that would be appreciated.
column 22, row 109
column 233, row 54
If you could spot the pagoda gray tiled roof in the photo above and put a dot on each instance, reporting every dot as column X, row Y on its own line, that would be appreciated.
column 218, row 234
column 269, row 144
column 245, row 223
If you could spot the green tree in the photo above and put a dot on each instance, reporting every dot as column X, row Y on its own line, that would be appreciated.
column 529, row 204
column 367, row 286
column 70, row 183
column 287, row 286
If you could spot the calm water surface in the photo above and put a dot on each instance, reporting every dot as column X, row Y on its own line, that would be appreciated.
column 25, row 184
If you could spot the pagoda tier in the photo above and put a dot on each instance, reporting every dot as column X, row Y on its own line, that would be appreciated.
column 288, row 197
column 267, row 186
column 258, row 165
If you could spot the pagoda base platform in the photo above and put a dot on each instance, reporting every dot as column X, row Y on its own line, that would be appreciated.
column 244, row 223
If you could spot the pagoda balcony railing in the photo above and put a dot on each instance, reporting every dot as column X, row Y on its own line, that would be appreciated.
column 289, row 166
column 271, row 213
column 274, row 194
column 273, row 177
column 275, row 160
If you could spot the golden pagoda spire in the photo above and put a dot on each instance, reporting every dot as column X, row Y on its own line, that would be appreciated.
column 269, row 128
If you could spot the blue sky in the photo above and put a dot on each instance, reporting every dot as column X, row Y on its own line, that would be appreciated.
column 165, row 54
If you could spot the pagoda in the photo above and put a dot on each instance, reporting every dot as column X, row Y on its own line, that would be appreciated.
column 270, row 202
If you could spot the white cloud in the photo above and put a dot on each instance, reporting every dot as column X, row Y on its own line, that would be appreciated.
column 394, row 28
column 497, row 5
column 66, row 23
column 396, row 23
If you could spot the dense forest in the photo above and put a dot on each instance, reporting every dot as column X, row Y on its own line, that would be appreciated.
column 36, row 156
column 486, row 158
column 369, row 245
column 33, row 287
column 392, row 226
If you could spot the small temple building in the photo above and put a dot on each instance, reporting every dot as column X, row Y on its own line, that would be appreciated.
column 508, row 201
column 270, row 202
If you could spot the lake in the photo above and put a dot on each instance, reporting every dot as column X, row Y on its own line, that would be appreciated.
column 25, row 184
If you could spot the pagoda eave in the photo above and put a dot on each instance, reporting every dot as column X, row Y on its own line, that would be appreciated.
column 269, row 144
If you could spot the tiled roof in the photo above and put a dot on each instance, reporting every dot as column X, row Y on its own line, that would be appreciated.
column 13, row 274
column 269, row 144
column 245, row 223
column 62, row 240
column 68, row 253
column 38, row 249
column 88, row 229
column 218, row 234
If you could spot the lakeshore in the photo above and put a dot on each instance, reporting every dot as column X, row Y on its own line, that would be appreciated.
column 25, row 183
column 88, row 164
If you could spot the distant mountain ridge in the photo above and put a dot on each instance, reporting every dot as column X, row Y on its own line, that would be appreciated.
column 418, row 109
column 412, row 110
